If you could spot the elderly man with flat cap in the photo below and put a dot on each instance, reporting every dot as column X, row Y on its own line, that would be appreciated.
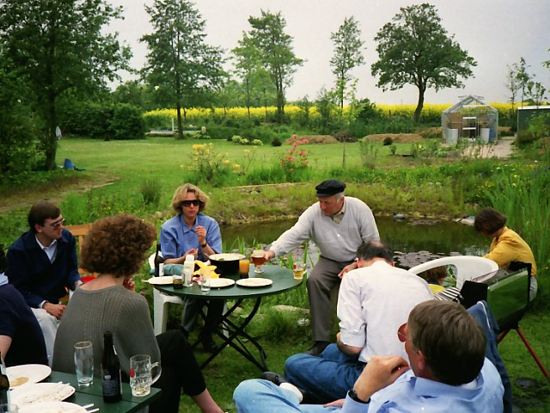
column 338, row 224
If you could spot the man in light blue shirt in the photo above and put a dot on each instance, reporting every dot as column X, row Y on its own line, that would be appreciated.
column 448, row 373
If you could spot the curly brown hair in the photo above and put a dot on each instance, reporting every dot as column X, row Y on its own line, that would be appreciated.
column 117, row 245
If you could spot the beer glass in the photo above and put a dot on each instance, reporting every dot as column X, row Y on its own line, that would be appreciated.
column 84, row 363
column 258, row 259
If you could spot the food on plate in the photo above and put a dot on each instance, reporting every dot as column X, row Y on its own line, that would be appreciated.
column 18, row 381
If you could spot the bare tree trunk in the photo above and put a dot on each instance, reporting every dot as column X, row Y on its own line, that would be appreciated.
column 180, row 123
column 420, row 104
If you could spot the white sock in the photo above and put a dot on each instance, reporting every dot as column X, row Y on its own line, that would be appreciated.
column 293, row 389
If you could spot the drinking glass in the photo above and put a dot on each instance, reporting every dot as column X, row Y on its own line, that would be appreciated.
column 244, row 267
column 258, row 259
column 298, row 270
column 205, row 284
column 84, row 363
column 141, row 376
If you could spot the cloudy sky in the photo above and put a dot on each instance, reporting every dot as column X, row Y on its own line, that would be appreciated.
column 495, row 32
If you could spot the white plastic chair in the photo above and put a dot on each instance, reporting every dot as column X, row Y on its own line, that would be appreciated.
column 468, row 267
column 160, row 304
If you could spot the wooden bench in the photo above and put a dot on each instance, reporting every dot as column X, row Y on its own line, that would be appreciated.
column 79, row 232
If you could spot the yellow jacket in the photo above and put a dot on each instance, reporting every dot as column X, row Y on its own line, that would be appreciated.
column 508, row 247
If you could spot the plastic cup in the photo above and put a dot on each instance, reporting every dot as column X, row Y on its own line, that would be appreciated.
column 84, row 363
column 205, row 284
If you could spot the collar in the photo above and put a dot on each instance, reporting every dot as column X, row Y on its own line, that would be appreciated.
column 431, row 388
column 339, row 216
column 186, row 228
column 3, row 278
column 42, row 246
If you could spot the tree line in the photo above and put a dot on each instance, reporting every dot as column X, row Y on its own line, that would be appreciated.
column 55, row 52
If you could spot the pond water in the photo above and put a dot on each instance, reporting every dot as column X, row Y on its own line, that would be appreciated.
column 443, row 238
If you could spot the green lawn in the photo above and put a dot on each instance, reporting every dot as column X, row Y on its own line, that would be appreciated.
column 119, row 168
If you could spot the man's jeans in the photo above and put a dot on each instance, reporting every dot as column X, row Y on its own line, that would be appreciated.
column 326, row 377
column 262, row 396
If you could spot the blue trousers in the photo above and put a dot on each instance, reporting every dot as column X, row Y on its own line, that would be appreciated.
column 326, row 377
column 262, row 396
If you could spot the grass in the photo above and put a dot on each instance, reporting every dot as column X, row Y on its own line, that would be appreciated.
column 119, row 176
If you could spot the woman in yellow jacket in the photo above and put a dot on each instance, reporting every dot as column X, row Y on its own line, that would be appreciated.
column 506, row 245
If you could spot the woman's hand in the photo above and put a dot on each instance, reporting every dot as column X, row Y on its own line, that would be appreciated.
column 129, row 284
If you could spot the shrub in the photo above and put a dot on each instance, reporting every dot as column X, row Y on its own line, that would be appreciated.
column 126, row 122
column 18, row 147
column 276, row 142
column 387, row 141
column 345, row 135
column 150, row 190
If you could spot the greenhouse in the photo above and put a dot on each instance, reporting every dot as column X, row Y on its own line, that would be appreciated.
column 471, row 119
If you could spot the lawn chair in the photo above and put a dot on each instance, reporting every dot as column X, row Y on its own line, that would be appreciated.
column 509, row 301
column 160, row 304
column 468, row 267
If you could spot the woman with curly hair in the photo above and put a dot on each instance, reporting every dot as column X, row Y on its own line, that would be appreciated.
column 115, row 249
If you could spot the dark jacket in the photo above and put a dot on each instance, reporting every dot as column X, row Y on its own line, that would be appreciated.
column 31, row 272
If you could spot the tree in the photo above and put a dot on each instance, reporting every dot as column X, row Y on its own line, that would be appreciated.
column 58, row 47
column 522, row 77
column 180, row 65
column 535, row 92
column 249, row 68
column 415, row 49
column 347, row 55
column 275, row 51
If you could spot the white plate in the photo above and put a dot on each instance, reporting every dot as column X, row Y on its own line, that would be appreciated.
column 52, row 407
column 40, row 392
column 254, row 282
column 221, row 282
column 164, row 280
column 27, row 373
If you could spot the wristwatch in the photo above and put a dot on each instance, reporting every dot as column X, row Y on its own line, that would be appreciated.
column 353, row 396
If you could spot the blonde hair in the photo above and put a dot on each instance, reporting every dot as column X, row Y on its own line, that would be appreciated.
column 181, row 191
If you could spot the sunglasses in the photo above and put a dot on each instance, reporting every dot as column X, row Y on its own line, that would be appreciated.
column 57, row 224
column 402, row 332
column 194, row 202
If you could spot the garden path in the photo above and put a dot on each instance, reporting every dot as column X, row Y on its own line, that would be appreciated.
column 502, row 149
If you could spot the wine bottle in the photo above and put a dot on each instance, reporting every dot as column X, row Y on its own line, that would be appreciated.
column 159, row 262
column 110, row 371
column 4, row 388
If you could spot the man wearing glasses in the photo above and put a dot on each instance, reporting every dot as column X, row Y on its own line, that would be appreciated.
column 42, row 265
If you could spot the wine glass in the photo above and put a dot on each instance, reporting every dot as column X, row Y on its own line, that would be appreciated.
column 258, row 259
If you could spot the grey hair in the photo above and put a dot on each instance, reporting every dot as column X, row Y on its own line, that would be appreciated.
column 339, row 195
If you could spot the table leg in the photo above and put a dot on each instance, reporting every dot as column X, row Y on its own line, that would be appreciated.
column 236, row 335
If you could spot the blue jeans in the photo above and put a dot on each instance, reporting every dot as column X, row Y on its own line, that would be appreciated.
column 326, row 377
column 262, row 396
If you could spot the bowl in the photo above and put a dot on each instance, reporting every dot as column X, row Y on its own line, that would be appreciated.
column 226, row 263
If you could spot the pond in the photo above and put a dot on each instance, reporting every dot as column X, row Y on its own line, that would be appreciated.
column 441, row 238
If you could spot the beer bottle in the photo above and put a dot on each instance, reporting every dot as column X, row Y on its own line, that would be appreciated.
column 4, row 388
column 159, row 262
column 110, row 371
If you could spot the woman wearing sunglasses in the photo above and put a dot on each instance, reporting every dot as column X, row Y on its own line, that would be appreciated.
column 192, row 232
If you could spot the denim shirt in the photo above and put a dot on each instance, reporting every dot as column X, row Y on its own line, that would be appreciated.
column 176, row 237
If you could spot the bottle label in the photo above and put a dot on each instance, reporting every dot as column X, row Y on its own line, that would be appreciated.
column 111, row 386
column 161, row 269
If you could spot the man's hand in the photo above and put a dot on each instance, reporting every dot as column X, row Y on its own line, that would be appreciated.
column 347, row 268
column 268, row 254
column 201, row 233
column 54, row 309
column 380, row 371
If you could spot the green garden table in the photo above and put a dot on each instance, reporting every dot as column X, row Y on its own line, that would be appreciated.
column 233, row 332
column 93, row 394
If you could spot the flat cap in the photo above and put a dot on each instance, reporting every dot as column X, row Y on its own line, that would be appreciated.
column 330, row 187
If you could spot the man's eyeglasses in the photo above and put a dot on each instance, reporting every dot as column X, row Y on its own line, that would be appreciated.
column 57, row 224
column 194, row 202
column 402, row 332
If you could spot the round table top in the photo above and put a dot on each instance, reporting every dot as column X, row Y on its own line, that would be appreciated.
column 282, row 278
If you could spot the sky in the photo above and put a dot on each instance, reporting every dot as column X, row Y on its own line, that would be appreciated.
column 495, row 32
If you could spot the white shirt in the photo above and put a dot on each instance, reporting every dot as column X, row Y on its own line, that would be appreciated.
column 373, row 303
column 50, row 250
column 337, row 241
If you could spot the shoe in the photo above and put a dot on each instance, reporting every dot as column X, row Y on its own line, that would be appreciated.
column 208, row 343
column 273, row 377
column 317, row 348
column 294, row 390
